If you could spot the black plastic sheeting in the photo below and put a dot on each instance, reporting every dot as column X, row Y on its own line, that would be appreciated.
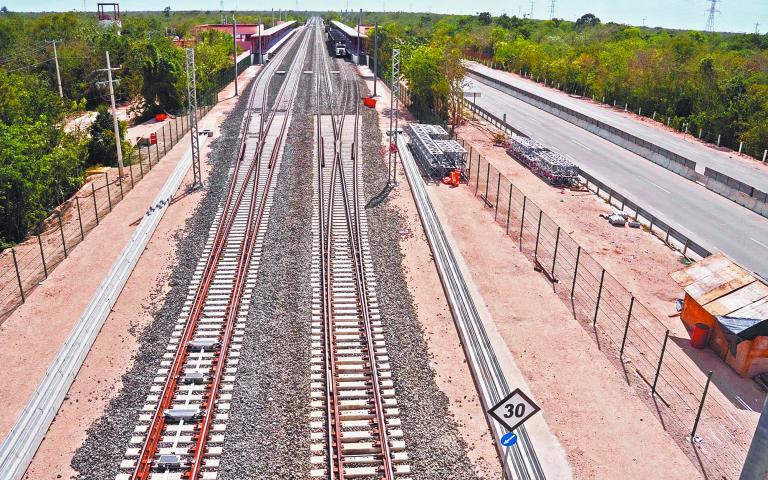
column 738, row 329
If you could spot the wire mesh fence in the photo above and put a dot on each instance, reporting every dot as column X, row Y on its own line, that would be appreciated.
column 710, row 428
column 24, row 266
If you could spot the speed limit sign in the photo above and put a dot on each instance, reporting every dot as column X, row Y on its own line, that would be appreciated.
column 513, row 410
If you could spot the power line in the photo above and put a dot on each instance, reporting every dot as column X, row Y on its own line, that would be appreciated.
column 23, row 52
column 710, row 27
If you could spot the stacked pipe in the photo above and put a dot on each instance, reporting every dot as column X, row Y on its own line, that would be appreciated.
column 549, row 165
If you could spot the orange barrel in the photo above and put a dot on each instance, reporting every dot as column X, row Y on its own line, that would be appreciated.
column 455, row 178
column 369, row 102
column 700, row 335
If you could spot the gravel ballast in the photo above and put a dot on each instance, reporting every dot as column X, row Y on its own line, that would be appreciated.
column 100, row 456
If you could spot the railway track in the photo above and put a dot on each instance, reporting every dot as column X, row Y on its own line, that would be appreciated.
column 182, row 425
column 355, row 419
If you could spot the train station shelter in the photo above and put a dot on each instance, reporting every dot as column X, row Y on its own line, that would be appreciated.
column 255, row 37
column 726, row 307
column 351, row 37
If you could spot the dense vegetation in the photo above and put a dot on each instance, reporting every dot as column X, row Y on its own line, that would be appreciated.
column 717, row 82
column 41, row 164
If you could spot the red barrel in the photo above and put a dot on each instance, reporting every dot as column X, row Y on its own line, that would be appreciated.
column 152, row 138
column 700, row 335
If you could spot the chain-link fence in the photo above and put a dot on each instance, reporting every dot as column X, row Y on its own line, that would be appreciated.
column 27, row 264
column 709, row 427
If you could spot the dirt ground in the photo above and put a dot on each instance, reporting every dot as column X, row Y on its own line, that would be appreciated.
column 641, row 260
column 451, row 372
column 39, row 326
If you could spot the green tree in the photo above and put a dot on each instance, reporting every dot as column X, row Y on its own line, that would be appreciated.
column 101, row 146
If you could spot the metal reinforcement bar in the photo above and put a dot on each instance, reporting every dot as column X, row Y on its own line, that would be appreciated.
column 25, row 437
column 519, row 461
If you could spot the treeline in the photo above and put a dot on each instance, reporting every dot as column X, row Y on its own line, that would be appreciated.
column 40, row 162
column 716, row 82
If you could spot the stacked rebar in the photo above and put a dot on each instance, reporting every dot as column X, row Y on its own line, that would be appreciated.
column 549, row 165
column 433, row 149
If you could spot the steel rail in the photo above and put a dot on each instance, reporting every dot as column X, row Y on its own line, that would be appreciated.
column 519, row 461
column 150, row 445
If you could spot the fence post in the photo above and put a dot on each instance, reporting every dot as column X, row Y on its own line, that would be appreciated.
column 509, row 206
column 498, row 186
column 42, row 255
column 626, row 327
column 554, row 255
column 79, row 218
column 538, row 231
column 149, row 155
column 575, row 271
column 718, row 139
column 701, row 405
column 141, row 165
column 157, row 147
column 666, row 238
column 765, row 153
column 658, row 367
column 176, row 121
column 741, row 144
column 599, row 295
column 165, row 151
column 18, row 276
column 120, row 182
column 469, row 167
column 477, row 177
column 522, row 222
column 95, row 209
column 109, row 196
column 61, row 230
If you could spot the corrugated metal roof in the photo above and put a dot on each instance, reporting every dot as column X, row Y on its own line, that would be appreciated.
column 723, row 287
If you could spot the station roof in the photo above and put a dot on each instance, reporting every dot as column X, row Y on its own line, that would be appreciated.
column 348, row 31
column 724, row 288
column 278, row 28
column 242, row 28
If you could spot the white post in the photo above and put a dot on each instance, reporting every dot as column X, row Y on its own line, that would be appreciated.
column 718, row 139
column 114, row 121
column 654, row 114
column 765, row 152
column 58, row 74
column 741, row 144
column 640, row 111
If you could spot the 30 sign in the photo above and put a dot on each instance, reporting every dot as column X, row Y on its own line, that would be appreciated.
column 513, row 410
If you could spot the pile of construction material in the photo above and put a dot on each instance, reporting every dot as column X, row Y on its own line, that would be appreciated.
column 433, row 149
column 549, row 165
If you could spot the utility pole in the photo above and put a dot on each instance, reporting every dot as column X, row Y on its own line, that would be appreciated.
column 710, row 27
column 552, row 9
column 234, row 45
column 359, row 22
column 393, row 105
column 261, row 29
column 192, row 102
column 757, row 28
column 114, row 117
column 756, row 463
column 375, row 56
column 273, row 17
column 58, row 74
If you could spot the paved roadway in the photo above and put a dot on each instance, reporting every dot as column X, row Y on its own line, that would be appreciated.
column 713, row 221
column 747, row 171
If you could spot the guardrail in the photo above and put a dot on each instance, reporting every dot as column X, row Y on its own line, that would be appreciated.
column 658, row 155
column 745, row 195
column 655, row 225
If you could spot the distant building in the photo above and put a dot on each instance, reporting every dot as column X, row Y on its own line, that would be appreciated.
column 253, row 37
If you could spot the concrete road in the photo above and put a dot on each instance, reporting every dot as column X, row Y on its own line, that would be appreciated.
column 748, row 171
column 713, row 221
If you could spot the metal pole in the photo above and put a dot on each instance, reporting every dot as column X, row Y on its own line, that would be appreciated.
column 234, row 43
column 109, row 196
column 498, row 185
column 58, row 74
column 79, row 218
column 658, row 367
column 359, row 52
column 575, row 270
column 554, row 255
column 61, row 230
column 538, row 231
column 626, row 327
column 509, row 206
column 261, row 59
column 18, row 276
column 701, row 407
column 115, row 123
column 756, row 463
column 599, row 296
column 149, row 155
column 165, row 150
column 93, row 195
column 522, row 222
column 42, row 255
column 376, row 59
column 487, row 178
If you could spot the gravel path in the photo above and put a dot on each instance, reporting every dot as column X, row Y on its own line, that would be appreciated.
column 268, row 428
column 104, row 448
column 432, row 439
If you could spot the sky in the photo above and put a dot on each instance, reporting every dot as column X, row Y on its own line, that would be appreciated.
column 735, row 16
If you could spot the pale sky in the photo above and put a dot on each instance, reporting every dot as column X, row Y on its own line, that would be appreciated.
column 736, row 16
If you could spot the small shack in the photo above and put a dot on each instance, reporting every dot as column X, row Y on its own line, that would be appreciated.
column 730, row 305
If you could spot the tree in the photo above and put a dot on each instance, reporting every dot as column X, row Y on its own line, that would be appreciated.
column 4, row 10
column 101, row 147
column 167, row 12
column 484, row 18
column 587, row 20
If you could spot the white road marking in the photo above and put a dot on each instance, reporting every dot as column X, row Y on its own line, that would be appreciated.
column 582, row 145
column 660, row 188
column 759, row 243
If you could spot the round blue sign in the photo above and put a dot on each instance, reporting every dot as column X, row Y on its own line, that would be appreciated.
column 509, row 439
